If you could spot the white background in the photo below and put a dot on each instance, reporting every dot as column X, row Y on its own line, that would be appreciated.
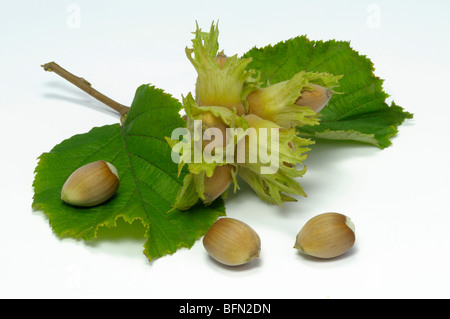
column 397, row 197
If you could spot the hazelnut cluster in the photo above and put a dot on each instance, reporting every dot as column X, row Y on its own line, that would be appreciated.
column 230, row 96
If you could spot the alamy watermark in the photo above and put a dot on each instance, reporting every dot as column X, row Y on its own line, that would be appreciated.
column 237, row 146
column 73, row 20
column 374, row 18
column 73, row 276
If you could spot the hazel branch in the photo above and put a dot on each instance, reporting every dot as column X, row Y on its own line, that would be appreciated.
column 86, row 87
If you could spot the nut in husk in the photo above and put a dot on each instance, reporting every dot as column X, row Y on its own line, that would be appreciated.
column 326, row 235
column 316, row 99
column 91, row 184
column 218, row 183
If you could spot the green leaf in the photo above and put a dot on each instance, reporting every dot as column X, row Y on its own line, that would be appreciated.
column 149, row 181
column 359, row 113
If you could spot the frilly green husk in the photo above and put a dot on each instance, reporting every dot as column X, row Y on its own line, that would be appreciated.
column 229, row 95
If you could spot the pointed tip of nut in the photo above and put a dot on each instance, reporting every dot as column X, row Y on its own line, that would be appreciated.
column 330, row 93
column 298, row 247
column 221, row 58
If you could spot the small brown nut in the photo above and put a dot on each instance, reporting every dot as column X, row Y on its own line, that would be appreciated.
column 316, row 99
column 221, row 58
column 232, row 242
column 218, row 183
column 326, row 235
column 91, row 184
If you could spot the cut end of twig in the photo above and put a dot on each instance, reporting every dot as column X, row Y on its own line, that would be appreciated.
column 48, row 66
